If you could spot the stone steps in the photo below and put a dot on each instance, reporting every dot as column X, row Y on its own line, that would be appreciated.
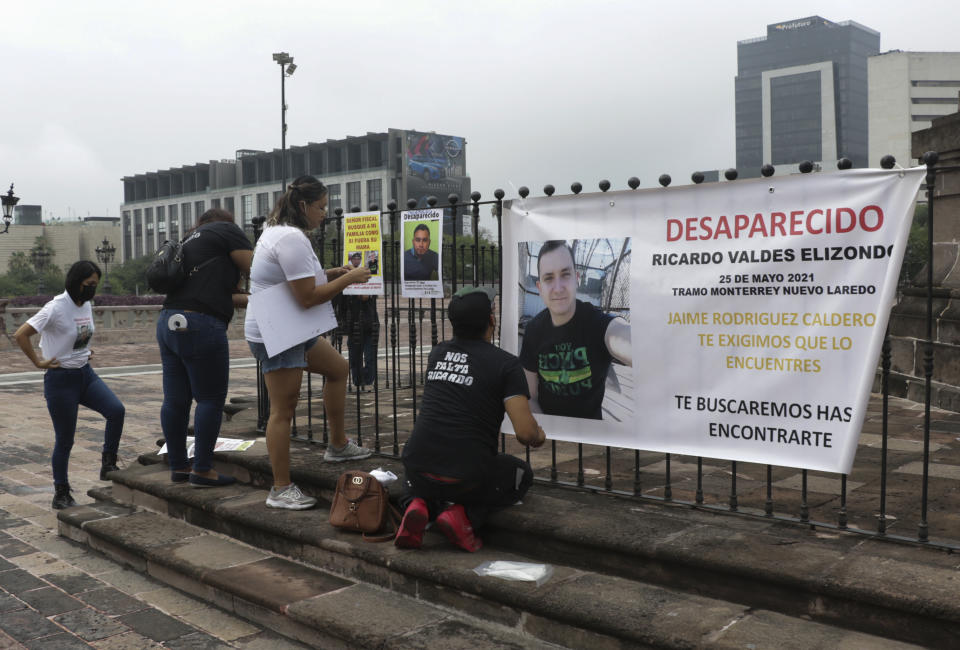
column 723, row 582
column 313, row 606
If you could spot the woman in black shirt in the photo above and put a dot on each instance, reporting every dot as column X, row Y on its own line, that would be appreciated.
column 192, row 333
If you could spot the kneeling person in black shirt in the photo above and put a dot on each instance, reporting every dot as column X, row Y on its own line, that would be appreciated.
column 452, row 454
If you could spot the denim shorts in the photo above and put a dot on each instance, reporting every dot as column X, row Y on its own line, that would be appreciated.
column 295, row 357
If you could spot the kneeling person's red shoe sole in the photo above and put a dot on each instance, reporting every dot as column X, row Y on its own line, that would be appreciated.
column 453, row 522
column 414, row 522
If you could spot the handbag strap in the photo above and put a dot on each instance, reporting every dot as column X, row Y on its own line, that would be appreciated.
column 393, row 521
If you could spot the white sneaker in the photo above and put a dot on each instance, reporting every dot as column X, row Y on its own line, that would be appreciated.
column 350, row 451
column 290, row 498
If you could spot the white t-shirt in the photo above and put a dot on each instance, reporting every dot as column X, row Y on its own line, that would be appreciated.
column 283, row 253
column 65, row 330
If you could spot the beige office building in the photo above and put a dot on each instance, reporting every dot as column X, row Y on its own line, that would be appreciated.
column 906, row 91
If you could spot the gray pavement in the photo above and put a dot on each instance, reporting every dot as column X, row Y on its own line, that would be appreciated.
column 55, row 593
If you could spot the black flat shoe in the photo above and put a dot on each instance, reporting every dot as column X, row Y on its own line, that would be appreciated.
column 179, row 477
column 198, row 481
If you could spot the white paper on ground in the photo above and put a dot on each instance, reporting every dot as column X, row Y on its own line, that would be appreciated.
column 223, row 444
column 519, row 571
column 385, row 477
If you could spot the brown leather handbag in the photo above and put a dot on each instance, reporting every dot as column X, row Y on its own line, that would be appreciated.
column 361, row 504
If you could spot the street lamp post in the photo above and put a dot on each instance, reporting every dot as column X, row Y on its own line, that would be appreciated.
column 39, row 257
column 287, row 67
column 105, row 252
column 9, row 201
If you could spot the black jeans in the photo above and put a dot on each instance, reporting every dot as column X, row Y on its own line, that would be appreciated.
column 506, row 482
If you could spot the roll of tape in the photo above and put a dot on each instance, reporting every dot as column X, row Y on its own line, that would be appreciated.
column 177, row 322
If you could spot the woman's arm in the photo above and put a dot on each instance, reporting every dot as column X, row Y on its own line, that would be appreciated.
column 22, row 336
column 242, row 258
column 337, row 271
column 308, row 293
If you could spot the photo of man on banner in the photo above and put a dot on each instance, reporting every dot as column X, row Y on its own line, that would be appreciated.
column 420, row 264
column 574, row 327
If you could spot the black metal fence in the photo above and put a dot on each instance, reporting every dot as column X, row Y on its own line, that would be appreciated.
column 412, row 326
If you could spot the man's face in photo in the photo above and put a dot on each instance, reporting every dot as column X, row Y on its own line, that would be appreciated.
column 421, row 242
column 355, row 260
column 558, row 282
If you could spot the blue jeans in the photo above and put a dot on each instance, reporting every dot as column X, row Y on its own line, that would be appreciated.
column 363, row 359
column 196, row 365
column 65, row 390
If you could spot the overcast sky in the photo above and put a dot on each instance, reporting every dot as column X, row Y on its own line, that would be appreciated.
column 548, row 91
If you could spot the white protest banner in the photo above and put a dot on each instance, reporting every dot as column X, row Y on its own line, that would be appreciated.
column 421, row 263
column 740, row 320
column 362, row 244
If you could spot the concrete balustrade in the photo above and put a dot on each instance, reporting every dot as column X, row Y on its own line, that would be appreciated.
column 117, row 324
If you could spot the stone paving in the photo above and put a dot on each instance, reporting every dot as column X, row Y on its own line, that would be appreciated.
column 55, row 594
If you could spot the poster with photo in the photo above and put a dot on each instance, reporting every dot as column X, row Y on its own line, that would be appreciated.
column 362, row 244
column 574, row 327
column 421, row 262
column 756, row 311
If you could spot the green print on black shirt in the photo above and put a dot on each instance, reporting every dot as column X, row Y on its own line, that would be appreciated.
column 565, row 372
column 571, row 361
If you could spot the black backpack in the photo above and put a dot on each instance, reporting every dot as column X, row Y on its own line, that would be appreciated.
column 167, row 272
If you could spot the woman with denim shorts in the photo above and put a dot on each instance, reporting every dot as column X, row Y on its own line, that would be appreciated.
column 284, row 255
column 65, row 325
column 192, row 335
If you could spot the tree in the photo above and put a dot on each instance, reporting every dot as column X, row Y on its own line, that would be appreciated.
column 20, row 279
column 24, row 279
column 130, row 277
column 48, row 277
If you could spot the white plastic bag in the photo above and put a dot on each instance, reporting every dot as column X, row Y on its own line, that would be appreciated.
column 520, row 571
column 386, row 477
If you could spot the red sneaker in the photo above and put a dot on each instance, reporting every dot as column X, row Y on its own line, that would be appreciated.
column 410, row 534
column 456, row 526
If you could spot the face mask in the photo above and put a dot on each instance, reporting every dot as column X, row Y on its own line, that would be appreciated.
column 87, row 292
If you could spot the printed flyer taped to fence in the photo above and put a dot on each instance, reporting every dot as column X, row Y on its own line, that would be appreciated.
column 733, row 320
column 421, row 262
column 362, row 246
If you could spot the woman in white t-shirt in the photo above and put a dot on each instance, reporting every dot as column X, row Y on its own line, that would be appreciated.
column 65, row 325
column 284, row 255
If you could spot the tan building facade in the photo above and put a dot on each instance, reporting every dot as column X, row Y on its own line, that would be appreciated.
column 71, row 241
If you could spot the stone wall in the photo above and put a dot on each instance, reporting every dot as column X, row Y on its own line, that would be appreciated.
column 908, row 320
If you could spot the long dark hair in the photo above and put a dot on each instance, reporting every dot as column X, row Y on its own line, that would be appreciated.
column 79, row 272
column 287, row 211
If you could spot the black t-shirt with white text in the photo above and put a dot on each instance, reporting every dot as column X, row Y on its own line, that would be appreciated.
column 571, row 361
column 457, row 430
column 209, row 290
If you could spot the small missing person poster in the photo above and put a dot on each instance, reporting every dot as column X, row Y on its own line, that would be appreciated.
column 363, row 245
column 421, row 263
